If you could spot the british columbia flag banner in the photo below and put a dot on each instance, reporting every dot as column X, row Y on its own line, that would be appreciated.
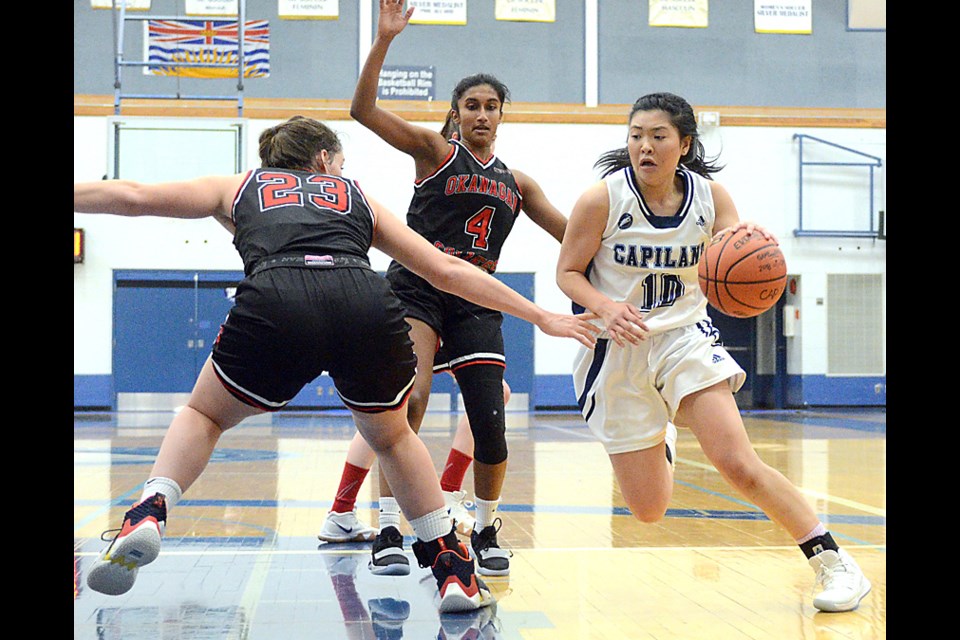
column 173, row 43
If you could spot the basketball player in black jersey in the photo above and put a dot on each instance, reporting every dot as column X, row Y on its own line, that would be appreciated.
column 309, row 303
column 465, row 203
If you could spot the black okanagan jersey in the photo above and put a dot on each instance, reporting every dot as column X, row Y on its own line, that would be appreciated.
column 283, row 211
column 467, row 207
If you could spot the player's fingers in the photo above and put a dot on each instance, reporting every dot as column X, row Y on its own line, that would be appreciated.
column 582, row 332
column 628, row 334
column 587, row 339
column 636, row 320
column 615, row 336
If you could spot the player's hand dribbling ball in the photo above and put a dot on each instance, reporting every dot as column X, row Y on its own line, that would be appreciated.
column 742, row 276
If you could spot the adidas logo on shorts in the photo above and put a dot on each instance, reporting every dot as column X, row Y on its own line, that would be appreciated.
column 717, row 358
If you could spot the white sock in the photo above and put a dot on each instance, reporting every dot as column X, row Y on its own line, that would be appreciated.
column 486, row 513
column 169, row 488
column 389, row 512
column 433, row 525
column 818, row 530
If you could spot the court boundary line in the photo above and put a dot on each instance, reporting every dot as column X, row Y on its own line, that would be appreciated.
column 366, row 551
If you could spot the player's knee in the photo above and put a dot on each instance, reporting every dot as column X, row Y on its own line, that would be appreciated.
column 650, row 504
column 208, row 420
column 742, row 472
column 650, row 510
column 489, row 433
column 382, row 430
column 490, row 445
column 483, row 392
column 649, row 516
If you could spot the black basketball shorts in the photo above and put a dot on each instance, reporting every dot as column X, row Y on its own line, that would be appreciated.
column 469, row 333
column 289, row 325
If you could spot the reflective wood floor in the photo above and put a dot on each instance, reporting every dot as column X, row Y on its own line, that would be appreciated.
column 241, row 560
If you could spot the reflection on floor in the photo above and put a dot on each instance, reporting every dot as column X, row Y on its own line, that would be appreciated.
column 241, row 559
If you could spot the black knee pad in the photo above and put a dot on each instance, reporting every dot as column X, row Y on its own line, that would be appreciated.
column 481, row 386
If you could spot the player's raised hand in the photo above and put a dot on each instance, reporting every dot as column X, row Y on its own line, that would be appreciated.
column 392, row 18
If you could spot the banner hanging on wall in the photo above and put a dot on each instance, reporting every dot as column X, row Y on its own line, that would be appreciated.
column 308, row 9
column 438, row 11
column 132, row 5
column 679, row 13
column 866, row 14
column 794, row 16
column 407, row 83
column 526, row 10
column 206, row 41
column 210, row 7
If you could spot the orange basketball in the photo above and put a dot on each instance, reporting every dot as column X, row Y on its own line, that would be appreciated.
column 742, row 276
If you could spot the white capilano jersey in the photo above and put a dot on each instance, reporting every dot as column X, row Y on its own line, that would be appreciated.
column 651, row 261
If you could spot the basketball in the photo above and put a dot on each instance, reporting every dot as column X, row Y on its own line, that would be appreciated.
column 742, row 276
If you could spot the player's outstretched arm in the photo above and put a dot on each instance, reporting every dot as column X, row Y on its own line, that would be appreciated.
column 190, row 199
column 458, row 277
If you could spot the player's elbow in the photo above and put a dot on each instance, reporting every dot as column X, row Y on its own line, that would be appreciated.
column 360, row 112
column 564, row 278
column 443, row 277
column 134, row 198
column 445, row 273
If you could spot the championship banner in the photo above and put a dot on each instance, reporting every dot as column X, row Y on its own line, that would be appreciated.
column 207, row 41
column 795, row 16
column 678, row 13
column 132, row 5
column 308, row 9
column 526, row 10
column 211, row 7
column 438, row 11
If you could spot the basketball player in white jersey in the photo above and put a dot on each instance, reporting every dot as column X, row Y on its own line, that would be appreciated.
column 630, row 256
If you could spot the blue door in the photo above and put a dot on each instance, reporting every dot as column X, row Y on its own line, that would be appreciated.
column 164, row 325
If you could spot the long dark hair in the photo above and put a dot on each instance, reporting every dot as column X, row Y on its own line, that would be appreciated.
column 475, row 80
column 681, row 116
column 295, row 143
column 450, row 128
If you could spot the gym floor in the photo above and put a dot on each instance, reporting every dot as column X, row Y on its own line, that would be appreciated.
column 241, row 559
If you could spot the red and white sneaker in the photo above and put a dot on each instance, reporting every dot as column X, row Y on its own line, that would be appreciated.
column 460, row 587
column 136, row 544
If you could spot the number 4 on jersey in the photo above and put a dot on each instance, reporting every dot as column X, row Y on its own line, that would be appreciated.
column 478, row 226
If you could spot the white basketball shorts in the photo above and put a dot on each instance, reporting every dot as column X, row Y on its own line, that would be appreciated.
column 628, row 394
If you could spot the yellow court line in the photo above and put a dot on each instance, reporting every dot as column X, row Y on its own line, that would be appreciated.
column 877, row 511
column 254, row 589
column 866, row 508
